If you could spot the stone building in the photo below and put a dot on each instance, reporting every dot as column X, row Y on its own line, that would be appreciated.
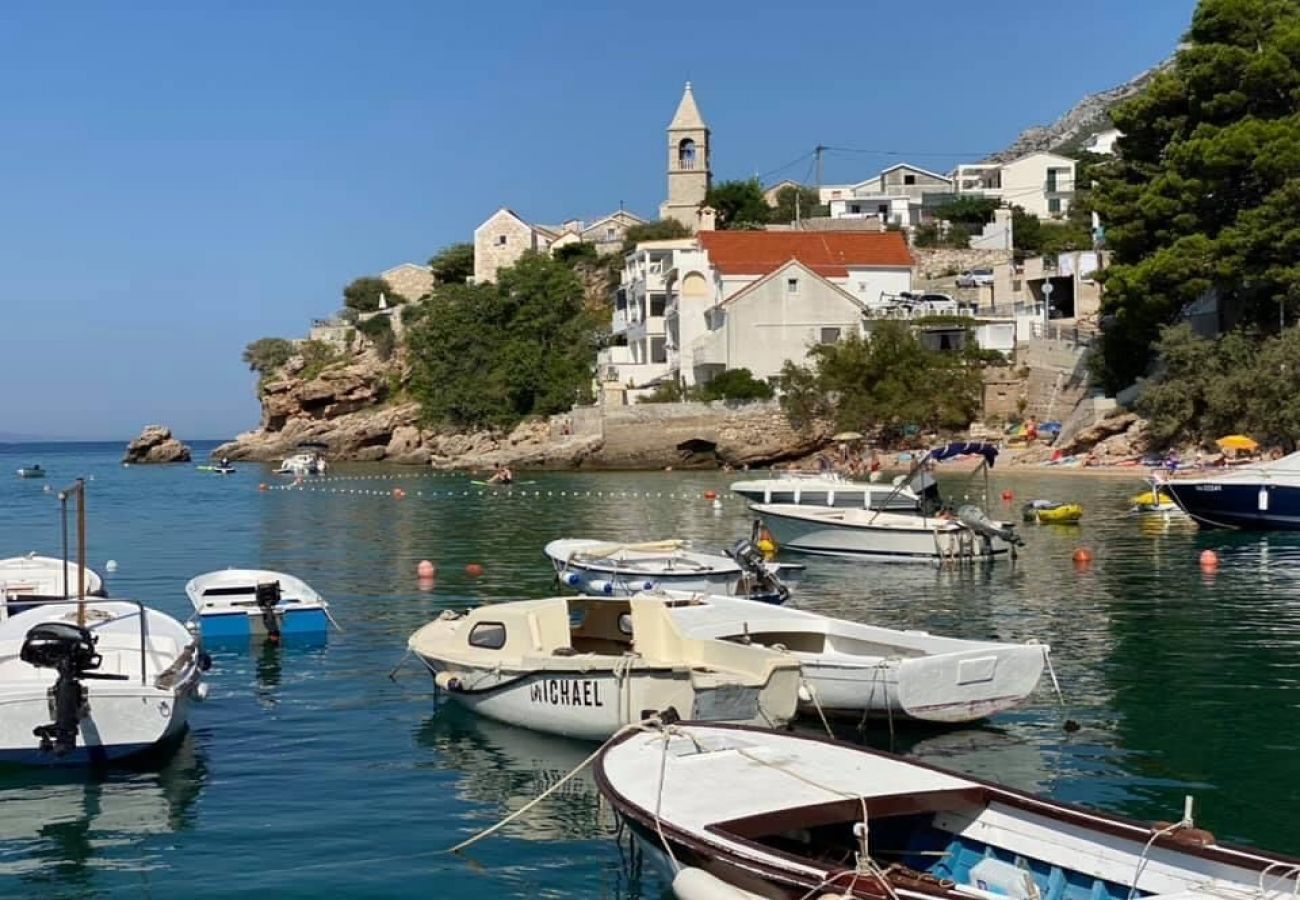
column 410, row 280
column 689, row 161
column 502, row 239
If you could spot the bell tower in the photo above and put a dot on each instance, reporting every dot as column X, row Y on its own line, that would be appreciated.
column 689, row 175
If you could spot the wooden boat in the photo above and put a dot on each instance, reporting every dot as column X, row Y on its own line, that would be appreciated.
column 1049, row 512
column 749, row 813
column 251, row 603
column 585, row 667
column 852, row 669
column 32, row 471
column 612, row 569
column 869, row 534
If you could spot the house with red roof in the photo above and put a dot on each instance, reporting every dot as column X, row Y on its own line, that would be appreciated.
column 688, row 309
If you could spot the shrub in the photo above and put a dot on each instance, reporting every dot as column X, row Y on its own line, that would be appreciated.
column 267, row 354
column 736, row 384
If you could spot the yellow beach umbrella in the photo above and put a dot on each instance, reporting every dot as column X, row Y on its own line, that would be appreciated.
column 1237, row 442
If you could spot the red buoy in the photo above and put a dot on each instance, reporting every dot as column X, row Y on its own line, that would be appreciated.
column 1209, row 559
column 262, row 486
column 1008, row 496
column 1082, row 556
column 474, row 570
column 398, row 493
column 710, row 495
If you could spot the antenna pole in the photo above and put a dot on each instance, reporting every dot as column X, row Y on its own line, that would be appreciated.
column 81, row 552
column 817, row 152
column 63, row 518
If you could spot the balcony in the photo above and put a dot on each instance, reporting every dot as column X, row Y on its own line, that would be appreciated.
column 710, row 349
column 619, row 323
column 641, row 329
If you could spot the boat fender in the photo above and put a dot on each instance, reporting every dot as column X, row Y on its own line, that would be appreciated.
column 201, row 691
column 601, row 587
column 805, row 693
column 447, row 682
column 647, row 585
column 572, row 579
column 1188, row 836
column 204, row 661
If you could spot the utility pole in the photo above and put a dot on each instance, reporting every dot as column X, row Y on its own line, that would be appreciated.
column 817, row 152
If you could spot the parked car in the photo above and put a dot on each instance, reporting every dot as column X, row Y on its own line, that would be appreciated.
column 974, row 278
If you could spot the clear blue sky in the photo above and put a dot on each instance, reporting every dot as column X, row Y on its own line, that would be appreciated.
column 177, row 179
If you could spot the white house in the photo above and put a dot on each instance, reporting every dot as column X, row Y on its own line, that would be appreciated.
column 895, row 195
column 1040, row 183
column 672, row 319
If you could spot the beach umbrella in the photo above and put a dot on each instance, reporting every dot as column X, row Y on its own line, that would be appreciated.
column 847, row 436
column 1237, row 442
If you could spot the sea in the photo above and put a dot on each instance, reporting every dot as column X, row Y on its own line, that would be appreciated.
column 329, row 770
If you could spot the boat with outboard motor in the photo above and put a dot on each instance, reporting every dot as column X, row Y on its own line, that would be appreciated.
column 1257, row 497
column 937, row 534
column 26, row 580
column 585, row 667
column 251, row 603
column 32, row 471
column 857, row 670
column 89, row 680
column 748, row 813
column 309, row 460
column 612, row 569
column 826, row 489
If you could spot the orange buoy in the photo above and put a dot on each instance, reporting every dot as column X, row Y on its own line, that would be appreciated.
column 710, row 495
column 262, row 486
column 426, row 569
column 398, row 493
column 1008, row 496
column 1082, row 556
column 1209, row 559
column 474, row 570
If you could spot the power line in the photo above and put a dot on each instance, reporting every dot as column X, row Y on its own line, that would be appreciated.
column 906, row 152
column 764, row 176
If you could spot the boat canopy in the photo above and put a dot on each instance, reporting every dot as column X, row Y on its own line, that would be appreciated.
column 965, row 448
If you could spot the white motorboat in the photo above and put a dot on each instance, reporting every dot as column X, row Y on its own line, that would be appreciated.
column 746, row 813
column 827, row 490
column 611, row 569
column 585, row 667
column 309, row 460
column 93, row 681
column 247, row 603
column 969, row 536
column 857, row 670
column 25, row 579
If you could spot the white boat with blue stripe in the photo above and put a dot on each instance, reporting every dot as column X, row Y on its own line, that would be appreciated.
column 238, row 604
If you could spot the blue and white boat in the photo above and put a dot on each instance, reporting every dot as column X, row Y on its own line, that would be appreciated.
column 740, row 812
column 1260, row 497
column 256, row 603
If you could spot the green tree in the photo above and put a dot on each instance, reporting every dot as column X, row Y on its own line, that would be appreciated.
column 890, row 380
column 487, row 355
column 380, row 331
column 453, row 264
column 791, row 200
column 1204, row 189
column 267, row 354
column 571, row 254
column 363, row 294
column 736, row 384
column 740, row 204
column 975, row 212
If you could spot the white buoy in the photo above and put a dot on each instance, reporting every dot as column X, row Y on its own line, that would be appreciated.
column 110, row 566
column 717, row 504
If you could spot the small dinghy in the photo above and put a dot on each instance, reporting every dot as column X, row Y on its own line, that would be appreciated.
column 217, row 470
column 584, row 667
column 256, row 603
column 1049, row 512
column 858, row 670
column 747, row 813
column 606, row 569
column 32, row 471
column 1155, row 502
column 26, row 580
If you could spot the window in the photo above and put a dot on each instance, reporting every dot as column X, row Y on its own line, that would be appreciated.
column 488, row 635
column 835, row 195
column 686, row 154
column 1054, row 205
column 792, row 285
column 501, row 240
column 855, row 208
column 658, row 350
column 883, row 209
column 657, row 304
column 1051, row 180
column 830, row 335
column 610, row 234
column 909, row 179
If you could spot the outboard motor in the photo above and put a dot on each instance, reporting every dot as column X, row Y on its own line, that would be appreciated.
column 70, row 651
column 760, row 583
column 267, row 595
column 978, row 521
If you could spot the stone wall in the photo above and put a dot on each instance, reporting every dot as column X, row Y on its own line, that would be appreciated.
column 933, row 262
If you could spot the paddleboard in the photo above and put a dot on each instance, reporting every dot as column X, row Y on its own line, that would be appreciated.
column 499, row 484
column 218, row 469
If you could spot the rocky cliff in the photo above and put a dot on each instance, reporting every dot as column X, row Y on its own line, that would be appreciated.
column 1085, row 119
column 155, row 444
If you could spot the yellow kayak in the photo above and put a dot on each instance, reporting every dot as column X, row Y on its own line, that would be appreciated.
column 1152, row 498
column 1053, row 513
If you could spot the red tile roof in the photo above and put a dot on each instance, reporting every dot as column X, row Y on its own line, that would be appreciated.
column 828, row 253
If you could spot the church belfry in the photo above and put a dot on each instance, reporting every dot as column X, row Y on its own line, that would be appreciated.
column 689, row 174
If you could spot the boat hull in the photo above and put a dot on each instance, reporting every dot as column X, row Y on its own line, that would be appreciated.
column 1245, row 505
column 846, row 498
column 594, row 704
column 920, row 544
column 244, row 624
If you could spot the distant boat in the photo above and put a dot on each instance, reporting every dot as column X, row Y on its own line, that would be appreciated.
column 1050, row 512
column 217, row 469
column 309, row 460
column 246, row 603
column 32, row 471
column 744, row 814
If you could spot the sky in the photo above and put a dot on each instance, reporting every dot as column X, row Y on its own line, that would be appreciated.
column 179, row 179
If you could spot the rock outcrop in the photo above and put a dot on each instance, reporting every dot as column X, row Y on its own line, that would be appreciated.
column 156, row 445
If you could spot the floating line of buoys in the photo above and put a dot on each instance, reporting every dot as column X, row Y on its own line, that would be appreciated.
column 398, row 493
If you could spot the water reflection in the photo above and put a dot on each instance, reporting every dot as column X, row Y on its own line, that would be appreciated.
column 58, row 829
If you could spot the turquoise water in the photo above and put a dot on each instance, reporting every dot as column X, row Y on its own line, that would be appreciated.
column 308, row 772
